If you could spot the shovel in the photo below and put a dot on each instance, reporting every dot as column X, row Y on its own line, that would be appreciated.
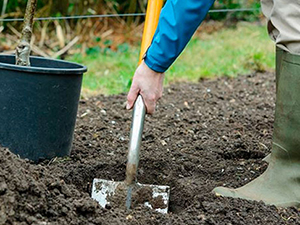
column 130, row 193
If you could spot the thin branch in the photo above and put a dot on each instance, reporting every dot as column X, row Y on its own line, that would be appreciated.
column 66, row 48
column 2, row 13
column 23, row 48
column 4, row 7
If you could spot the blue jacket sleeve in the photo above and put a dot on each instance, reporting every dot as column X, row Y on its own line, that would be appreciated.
column 178, row 21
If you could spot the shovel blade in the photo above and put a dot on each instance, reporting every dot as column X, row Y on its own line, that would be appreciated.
column 113, row 193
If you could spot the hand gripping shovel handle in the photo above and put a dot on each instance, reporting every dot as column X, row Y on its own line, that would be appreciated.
column 137, row 126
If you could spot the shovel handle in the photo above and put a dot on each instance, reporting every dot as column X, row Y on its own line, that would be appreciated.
column 137, row 126
column 139, row 110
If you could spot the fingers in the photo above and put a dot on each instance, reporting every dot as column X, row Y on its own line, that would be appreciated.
column 150, row 103
column 132, row 95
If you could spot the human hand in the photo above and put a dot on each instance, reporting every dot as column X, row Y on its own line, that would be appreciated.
column 147, row 83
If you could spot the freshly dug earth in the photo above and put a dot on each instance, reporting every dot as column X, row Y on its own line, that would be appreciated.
column 203, row 135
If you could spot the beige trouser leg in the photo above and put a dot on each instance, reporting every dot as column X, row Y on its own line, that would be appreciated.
column 283, row 23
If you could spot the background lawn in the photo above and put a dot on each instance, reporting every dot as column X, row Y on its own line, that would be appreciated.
column 241, row 50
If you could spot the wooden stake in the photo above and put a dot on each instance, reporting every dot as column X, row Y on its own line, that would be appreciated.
column 23, row 49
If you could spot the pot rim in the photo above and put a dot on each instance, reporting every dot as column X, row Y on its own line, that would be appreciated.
column 78, row 68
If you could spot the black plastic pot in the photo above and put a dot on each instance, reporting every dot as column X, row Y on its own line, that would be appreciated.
column 38, row 106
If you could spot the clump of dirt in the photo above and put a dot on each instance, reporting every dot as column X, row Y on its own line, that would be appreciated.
column 118, row 199
column 148, row 194
column 135, row 195
column 33, row 194
column 203, row 135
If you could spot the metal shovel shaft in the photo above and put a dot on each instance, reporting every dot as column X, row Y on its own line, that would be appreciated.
column 136, row 131
column 137, row 126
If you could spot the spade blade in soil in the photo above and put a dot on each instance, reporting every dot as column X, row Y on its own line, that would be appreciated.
column 111, row 194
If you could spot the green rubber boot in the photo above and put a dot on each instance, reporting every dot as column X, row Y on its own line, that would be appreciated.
column 279, row 53
column 279, row 185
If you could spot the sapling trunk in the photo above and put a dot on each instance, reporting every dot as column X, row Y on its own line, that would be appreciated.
column 23, row 49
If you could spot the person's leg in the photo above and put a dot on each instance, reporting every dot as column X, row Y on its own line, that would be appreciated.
column 283, row 23
column 280, row 183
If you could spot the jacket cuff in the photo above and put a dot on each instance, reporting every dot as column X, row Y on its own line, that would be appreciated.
column 152, row 64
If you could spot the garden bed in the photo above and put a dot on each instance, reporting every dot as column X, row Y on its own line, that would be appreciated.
column 203, row 135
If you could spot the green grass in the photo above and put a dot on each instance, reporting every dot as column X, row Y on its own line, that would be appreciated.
column 229, row 52
column 108, row 73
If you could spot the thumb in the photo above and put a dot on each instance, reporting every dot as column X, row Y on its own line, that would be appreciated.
column 132, row 95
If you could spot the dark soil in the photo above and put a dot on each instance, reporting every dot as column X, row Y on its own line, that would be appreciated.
column 213, row 133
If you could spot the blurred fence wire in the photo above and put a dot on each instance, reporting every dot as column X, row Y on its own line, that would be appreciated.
column 119, row 15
